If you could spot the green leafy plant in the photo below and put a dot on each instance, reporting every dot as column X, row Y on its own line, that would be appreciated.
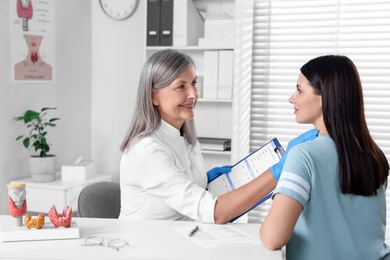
column 38, row 124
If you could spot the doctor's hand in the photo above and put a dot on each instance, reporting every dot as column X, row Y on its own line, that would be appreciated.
column 276, row 169
column 215, row 172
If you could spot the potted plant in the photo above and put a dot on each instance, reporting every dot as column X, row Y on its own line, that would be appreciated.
column 42, row 165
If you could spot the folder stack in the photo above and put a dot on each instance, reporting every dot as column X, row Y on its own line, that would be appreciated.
column 173, row 23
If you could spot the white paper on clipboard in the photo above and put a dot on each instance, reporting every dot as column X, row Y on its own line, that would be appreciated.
column 248, row 168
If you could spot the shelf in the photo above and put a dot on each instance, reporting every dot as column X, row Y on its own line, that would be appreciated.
column 227, row 153
column 214, row 100
column 190, row 48
column 214, row 60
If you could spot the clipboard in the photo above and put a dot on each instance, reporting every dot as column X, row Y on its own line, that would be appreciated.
column 247, row 169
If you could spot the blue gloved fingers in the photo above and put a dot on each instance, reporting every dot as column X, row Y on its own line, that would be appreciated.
column 276, row 169
column 225, row 169
column 306, row 136
column 217, row 171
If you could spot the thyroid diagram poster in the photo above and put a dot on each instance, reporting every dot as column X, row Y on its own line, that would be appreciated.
column 32, row 41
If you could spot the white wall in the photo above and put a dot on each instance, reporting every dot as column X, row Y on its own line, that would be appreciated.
column 74, row 67
column 70, row 94
column 94, row 101
column 118, row 53
column 98, row 65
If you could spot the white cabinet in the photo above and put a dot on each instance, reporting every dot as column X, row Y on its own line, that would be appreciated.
column 213, row 112
column 41, row 196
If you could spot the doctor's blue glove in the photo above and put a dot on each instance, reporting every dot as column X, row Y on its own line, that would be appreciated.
column 215, row 172
column 276, row 169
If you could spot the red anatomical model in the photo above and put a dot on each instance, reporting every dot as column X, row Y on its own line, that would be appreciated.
column 63, row 219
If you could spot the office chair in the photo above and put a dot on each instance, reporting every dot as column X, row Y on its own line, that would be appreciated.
column 100, row 200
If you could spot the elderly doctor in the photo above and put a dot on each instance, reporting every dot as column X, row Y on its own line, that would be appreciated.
column 161, row 171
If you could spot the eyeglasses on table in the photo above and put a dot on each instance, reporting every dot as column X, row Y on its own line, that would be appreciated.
column 114, row 243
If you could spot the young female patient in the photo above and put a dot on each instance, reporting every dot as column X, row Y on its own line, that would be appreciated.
column 330, row 201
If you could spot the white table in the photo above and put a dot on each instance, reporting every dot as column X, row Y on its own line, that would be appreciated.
column 41, row 196
column 147, row 239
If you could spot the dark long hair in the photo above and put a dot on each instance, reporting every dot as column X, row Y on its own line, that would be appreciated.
column 363, row 166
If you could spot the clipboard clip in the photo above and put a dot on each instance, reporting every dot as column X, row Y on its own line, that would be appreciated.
column 279, row 151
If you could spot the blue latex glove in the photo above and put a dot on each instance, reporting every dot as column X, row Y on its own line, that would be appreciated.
column 306, row 136
column 215, row 172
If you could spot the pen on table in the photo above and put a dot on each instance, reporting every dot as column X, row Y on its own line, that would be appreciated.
column 192, row 232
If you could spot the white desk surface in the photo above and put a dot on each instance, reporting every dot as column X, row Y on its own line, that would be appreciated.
column 147, row 239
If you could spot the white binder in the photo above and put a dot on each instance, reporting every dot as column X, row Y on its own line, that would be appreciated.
column 225, row 74
column 210, row 75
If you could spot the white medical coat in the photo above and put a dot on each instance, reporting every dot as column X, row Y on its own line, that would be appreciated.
column 162, row 177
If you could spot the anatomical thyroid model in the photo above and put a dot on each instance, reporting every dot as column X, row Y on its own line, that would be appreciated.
column 25, row 11
column 17, row 205
column 33, row 67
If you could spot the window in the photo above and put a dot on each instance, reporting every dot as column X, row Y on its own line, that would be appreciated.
column 286, row 34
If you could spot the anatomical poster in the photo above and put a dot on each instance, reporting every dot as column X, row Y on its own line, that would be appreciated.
column 32, row 41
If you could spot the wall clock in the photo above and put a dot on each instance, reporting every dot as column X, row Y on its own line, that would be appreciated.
column 119, row 9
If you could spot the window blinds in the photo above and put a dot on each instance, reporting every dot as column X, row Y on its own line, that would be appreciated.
column 286, row 34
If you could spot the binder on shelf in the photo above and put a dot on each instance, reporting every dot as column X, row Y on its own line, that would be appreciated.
column 199, row 85
column 188, row 25
column 247, row 169
column 153, row 23
column 215, row 144
column 210, row 75
column 225, row 74
column 166, row 22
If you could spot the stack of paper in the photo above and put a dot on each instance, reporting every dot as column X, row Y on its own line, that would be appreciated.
column 215, row 144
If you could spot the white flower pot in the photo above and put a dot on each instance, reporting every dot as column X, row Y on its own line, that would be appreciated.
column 43, row 169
